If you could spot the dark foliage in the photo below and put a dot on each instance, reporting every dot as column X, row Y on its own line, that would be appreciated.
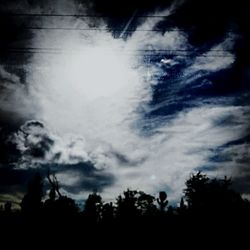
column 206, row 203
column 32, row 201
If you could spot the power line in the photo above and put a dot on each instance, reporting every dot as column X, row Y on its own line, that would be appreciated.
column 146, row 50
column 143, row 53
column 102, row 29
column 76, row 15
column 165, row 29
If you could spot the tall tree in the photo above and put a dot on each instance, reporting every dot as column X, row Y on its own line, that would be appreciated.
column 32, row 201
column 213, row 196
column 92, row 209
column 162, row 200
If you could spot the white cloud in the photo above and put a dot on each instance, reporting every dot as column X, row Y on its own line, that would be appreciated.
column 181, row 146
column 217, row 58
column 39, row 145
column 69, row 178
column 166, row 61
column 167, row 158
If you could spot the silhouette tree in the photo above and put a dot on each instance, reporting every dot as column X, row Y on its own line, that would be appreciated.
column 182, row 207
column 58, row 205
column 32, row 201
column 65, row 206
column 127, row 205
column 108, row 212
column 49, row 204
column 195, row 189
column 54, row 186
column 205, row 202
column 162, row 200
column 211, row 196
column 145, row 203
column 92, row 209
column 133, row 204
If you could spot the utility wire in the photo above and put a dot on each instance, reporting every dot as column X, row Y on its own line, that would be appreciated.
column 145, row 50
column 122, row 54
column 102, row 29
column 75, row 15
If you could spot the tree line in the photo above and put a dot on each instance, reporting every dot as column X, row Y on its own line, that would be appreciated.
column 205, row 201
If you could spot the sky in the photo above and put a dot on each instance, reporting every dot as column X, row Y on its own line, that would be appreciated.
column 111, row 95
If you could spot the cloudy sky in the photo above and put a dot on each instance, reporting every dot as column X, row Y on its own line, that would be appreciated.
column 112, row 96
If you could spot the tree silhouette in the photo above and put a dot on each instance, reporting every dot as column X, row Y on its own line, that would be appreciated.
column 182, row 207
column 205, row 202
column 195, row 190
column 108, row 212
column 162, row 200
column 92, row 209
column 58, row 205
column 126, row 205
column 145, row 203
column 54, row 186
column 211, row 196
column 134, row 204
column 65, row 206
column 32, row 201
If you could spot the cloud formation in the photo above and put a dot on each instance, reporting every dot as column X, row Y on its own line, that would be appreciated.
column 140, row 111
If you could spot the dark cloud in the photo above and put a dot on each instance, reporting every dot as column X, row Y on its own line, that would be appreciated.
column 234, row 159
column 208, row 21
column 30, row 144
column 90, row 179
column 241, row 184
column 14, row 180
column 9, row 151
column 14, row 183
column 39, row 144
column 233, row 120
column 117, row 9
column 31, row 141
column 243, row 140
